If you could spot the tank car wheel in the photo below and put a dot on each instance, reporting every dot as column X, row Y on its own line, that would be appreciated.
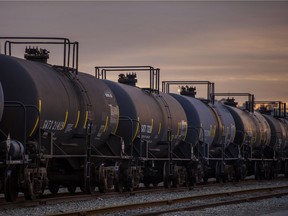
column 272, row 171
column 82, row 188
column 28, row 195
column 103, row 186
column 256, row 171
column 129, row 186
column 71, row 189
column 166, row 176
column 229, row 173
column 155, row 185
column 176, row 181
column 118, row 185
column 192, row 177
column 146, row 184
column 267, row 171
column 286, row 169
column 185, row 177
column 219, row 173
column 11, row 189
column 29, row 192
column 34, row 187
column 91, row 181
column 259, row 170
column 167, row 182
column 241, row 172
column 186, row 182
column 53, row 187
column 277, row 168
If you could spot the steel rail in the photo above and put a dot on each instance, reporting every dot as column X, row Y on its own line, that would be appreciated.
column 216, row 204
column 110, row 209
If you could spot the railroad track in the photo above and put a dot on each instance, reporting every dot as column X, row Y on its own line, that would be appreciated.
column 80, row 196
column 63, row 197
column 191, row 202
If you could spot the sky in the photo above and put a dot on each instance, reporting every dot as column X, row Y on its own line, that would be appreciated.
column 242, row 46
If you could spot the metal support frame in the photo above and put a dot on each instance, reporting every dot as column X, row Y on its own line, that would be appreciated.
column 127, row 118
column 198, row 140
column 16, row 104
column 87, row 169
column 25, row 160
column 210, row 87
column 282, row 113
column 48, row 40
column 101, row 73
column 170, row 153
column 249, row 104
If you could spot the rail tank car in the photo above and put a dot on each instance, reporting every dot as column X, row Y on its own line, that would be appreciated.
column 285, row 141
column 252, row 129
column 227, row 124
column 154, row 123
column 51, row 112
column 157, row 113
column 213, row 126
column 202, row 121
column 279, row 136
column 208, row 123
column 253, row 137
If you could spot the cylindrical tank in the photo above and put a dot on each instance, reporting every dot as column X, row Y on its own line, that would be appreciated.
column 202, row 121
column 246, row 129
column 155, row 114
column 264, row 129
column 251, row 128
column 65, row 102
column 285, row 139
column 279, row 136
column 228, row 123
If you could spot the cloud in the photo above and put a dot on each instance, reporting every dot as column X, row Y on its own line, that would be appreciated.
column 240, row 45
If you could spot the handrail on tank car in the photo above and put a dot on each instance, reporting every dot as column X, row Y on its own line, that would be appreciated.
column 127, row 118
column 210, row 86
column 249, row 104
column 281, row 108
column 65, row 41
column 244, row 134
column 101, row 73
column 201, row 129
column 19, row 104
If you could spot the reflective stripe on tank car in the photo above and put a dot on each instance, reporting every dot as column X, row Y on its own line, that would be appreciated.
column 159, row 129
column 106, row 124
column 183, row 129
column 116, row 125
column 86, row 119
column 77, row 120
column 186, row 131
column 137, row 129
column 37, row 120
column 66, row 118
column 201, row 135
column 178, row 129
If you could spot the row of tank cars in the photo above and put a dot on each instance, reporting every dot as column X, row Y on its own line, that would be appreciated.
column 63, row 128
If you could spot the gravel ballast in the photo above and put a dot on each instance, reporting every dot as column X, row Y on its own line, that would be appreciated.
column 257, row 208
